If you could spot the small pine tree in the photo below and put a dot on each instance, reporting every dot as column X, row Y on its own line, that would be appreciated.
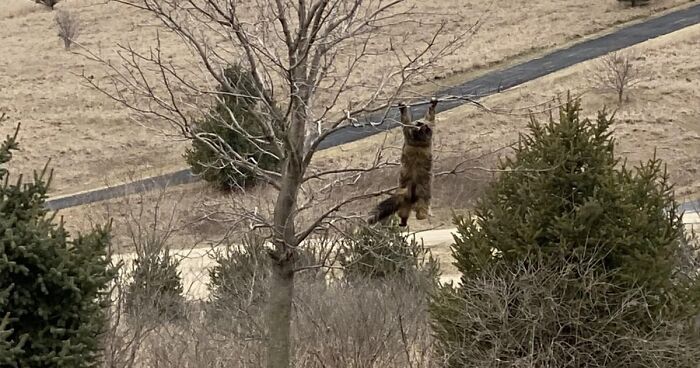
column 239, row 278
column 239, row 283
column 240, row 274
column 385, row 252
column 156, row 291
column 565, row 199
column 210, row 163
column 55, row 286
column 565, row 196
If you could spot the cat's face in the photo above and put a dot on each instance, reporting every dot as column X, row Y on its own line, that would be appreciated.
column 419, row 134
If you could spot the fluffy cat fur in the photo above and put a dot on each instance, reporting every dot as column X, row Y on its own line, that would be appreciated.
column 415, row 180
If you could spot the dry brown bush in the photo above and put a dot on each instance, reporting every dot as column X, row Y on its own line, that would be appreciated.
column 123, row 339
column 534, row 316
column 374, row 324
column 366, row 323
column 68, row 26
column 370, row 324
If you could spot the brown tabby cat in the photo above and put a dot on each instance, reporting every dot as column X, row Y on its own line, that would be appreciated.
column 415, row 180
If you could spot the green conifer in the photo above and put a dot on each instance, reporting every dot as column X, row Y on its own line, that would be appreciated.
column 210, row 159
column 8, row 349
column 54, row 286
column 156, row 293
column 386, row 252
column 566, row 202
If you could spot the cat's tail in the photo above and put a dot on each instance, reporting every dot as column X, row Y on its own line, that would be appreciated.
column 389, row 206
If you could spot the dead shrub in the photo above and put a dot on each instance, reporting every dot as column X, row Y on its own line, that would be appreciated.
column 68, row 26
column 125, row 337
column 155, row 291
column 366, row 323
column 616, row 71
column 688, row 258
column 375, row 323
column 150, row 290
column 536, row 315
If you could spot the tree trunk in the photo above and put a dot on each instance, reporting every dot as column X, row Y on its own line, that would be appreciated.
column 280, row 315
column 620, row 93
column 279, row 318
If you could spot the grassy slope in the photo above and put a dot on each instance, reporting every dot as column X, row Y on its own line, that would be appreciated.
column 661, row 113
column 92, row 141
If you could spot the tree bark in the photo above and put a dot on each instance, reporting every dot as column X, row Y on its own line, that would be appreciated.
column 284, row 256
column 280, row 315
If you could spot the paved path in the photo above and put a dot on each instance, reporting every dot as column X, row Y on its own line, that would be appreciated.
column 690, row 206
column 483, row 86
column 195, row 263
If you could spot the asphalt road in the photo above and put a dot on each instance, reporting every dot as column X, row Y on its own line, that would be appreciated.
column 690, row 206
column 485, row 85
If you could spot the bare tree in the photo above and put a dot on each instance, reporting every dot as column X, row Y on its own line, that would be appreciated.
column 68, row 26
column 616, row 71
column 309, row 62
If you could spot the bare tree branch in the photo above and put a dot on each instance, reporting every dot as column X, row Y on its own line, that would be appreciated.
column 306, row 60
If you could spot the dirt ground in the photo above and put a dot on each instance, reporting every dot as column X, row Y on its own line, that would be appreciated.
column 92, row 141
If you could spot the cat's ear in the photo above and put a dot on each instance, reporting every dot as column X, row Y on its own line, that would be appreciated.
column 405, row 113
column 430, row 114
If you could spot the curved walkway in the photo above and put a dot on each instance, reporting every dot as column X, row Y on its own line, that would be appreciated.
column 485, row 85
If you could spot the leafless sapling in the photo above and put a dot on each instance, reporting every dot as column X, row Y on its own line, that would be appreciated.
column 616, row 71
column 68, row 26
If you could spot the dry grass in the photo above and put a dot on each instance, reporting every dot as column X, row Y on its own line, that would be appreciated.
column 15, row 9
column 661, row 114
column 90, row 139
